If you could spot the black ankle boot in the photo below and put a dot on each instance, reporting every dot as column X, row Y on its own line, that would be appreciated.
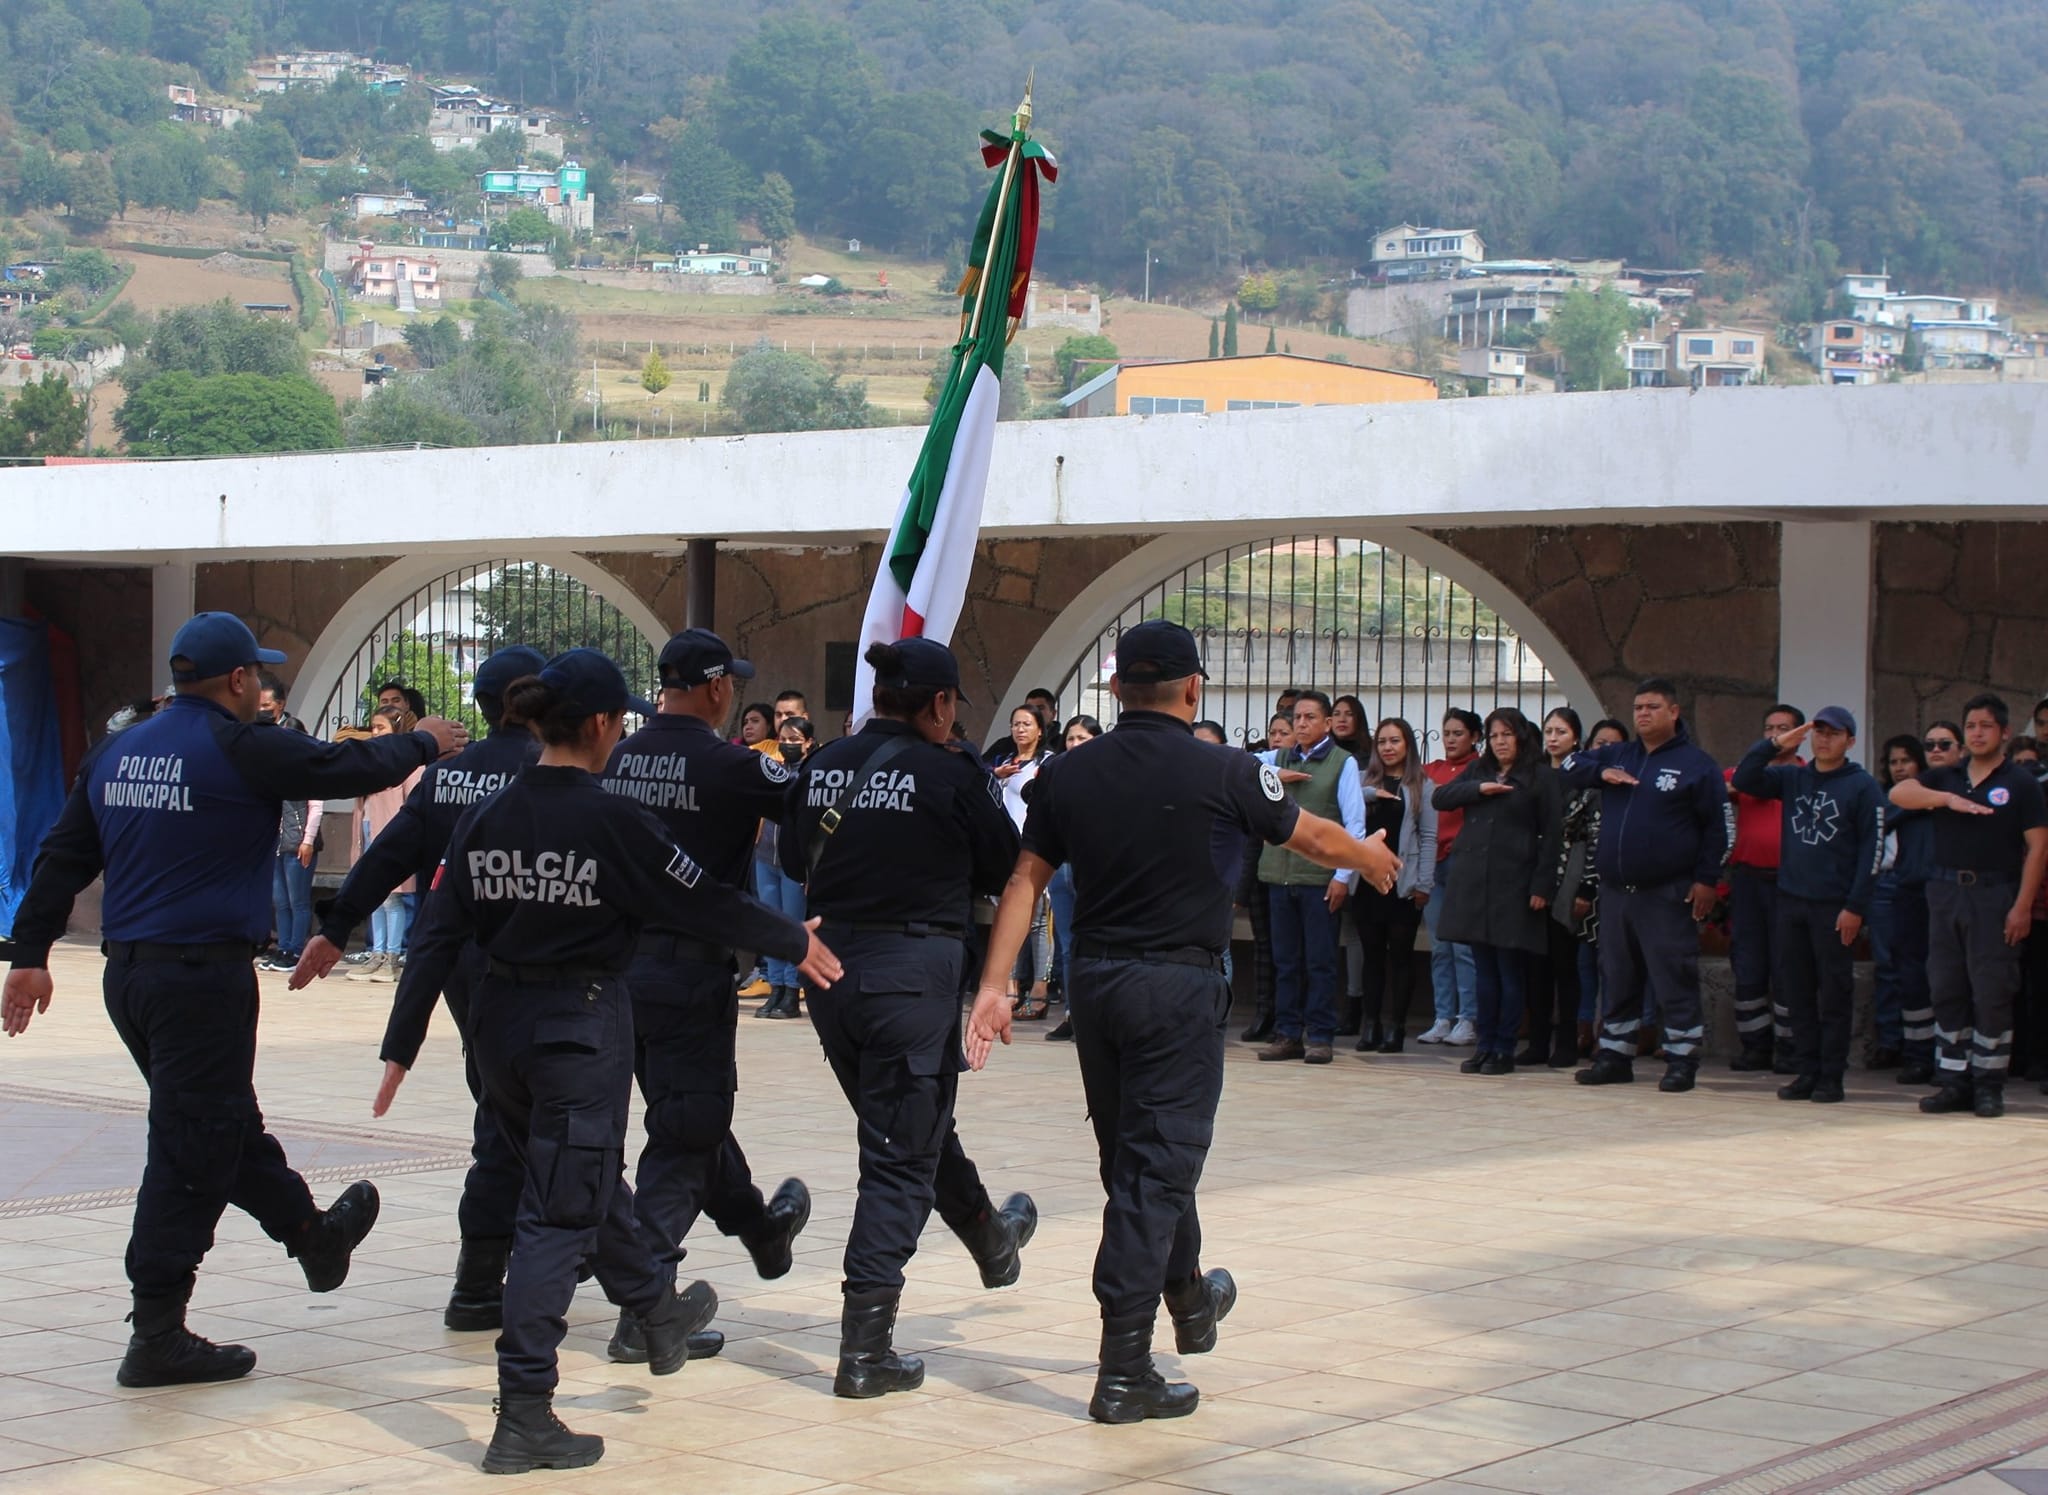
column 1261, row 1030
column 529, row 1436
column 163, row 1352
column 629, row 1343
column 995, row 1239
column 868, row 1364
column 477, row 1300
column 1395, row 1040
column 667, row 1330
column 1197, row 1306
column 773, row 1247
column 1127, row 1388
column 324, row 1247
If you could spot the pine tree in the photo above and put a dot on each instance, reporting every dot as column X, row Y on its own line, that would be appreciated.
column 653, row 373
column 1272, row 339
column 1212, row 337
column 1230, row 330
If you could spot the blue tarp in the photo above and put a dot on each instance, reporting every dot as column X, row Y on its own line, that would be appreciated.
column 33, row 791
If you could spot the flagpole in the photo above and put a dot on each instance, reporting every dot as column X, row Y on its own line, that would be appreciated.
column 1020, row 124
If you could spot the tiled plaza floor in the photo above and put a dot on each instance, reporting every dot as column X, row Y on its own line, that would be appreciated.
column 1449, row 1284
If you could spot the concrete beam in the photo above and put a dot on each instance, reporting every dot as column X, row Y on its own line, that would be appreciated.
column 170, row 607
column 1826, row 596
column 1814, row 453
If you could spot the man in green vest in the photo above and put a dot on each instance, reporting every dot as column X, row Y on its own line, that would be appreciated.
column 1305, row 897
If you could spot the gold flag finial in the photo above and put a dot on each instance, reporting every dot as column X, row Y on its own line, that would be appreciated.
column 1022, row 119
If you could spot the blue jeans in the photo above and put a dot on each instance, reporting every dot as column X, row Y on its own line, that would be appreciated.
column 1304, row 963
column 785, row 894
column 291, row 904
column 1451, row 972
column 1503, row 976
column 388, row 923
column 1887, row 1007
column 1061, row 891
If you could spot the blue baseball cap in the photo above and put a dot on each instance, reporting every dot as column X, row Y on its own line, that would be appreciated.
column 1837, row 717
column 924, row 664
column 213, row 644
column 1157, row 650
column 514, row 662
column 589, row 682
column 697, row 656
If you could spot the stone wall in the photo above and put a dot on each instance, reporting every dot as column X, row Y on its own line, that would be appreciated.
column 1695, row 602
column 1960, row 608
column 286, row 603
column 106, row 610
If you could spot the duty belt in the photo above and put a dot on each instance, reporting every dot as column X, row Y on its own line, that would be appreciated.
column 191, row 955
column 1965, row 878
column 915, row 928
column 1178, row 955
column 682, row 947
column 563, row 975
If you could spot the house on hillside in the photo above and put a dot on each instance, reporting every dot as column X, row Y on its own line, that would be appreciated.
column 1254, row 381
column 1505, row 370
column 563, row 194
column 302, row 70
column 1648, row 362
column 463, row 117
column 186, row 108
column 702, row 261
column 1955, row 332
column 1717, row 357
column 387, row 205
column 1408, row 252
column 1847, row 351
column 408, row 281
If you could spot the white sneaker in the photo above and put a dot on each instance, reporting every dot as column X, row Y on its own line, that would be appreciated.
column 1463, row 1034
column 1437, row 1032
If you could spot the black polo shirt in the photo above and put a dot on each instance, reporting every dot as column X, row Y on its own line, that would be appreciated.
column 1153, row 823
column 1986, row 843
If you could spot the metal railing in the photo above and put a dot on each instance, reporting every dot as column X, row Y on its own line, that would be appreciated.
column 1330, row 613
column 433, row 641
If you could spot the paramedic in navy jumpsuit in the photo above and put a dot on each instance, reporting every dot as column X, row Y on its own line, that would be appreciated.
column 919, row 829
column 556, row 879
column 712, row 796
column 181, row 815
column 411, row 846
column 1153, row 823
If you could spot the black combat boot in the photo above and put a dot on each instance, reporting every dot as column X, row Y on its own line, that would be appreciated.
column 629, row 1344
column 1954, row 1095
column 529, row 1436
column 1261, row 1030
column 1127, row 1388
column 1988, row 1098
column 477, row 1300
column 868, row 1365
column 1608, row 1068
column 1800, row 1089
column 1920, row 1072
column 163, row 1352
column 1679, row 1075
column 324, row 1247
column 772, row 1246
column 1197, row 1306
column 1755, row 1058
column 667, row 1330
column 998, row 1236
column 773, row 1006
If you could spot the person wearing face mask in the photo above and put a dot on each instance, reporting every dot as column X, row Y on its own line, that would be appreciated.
column 182, row 821
column 557, row 881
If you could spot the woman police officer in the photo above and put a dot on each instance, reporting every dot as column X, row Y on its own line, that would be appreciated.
column 554, row 879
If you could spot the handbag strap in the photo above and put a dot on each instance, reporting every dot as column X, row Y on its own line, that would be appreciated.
column 870, row 769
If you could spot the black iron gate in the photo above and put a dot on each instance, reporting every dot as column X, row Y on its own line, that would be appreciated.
column 434, row 639
column 1330, row 613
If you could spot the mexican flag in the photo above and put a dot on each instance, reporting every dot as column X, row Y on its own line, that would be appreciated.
column 922, row 583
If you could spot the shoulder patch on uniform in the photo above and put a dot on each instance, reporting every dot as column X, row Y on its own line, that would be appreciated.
column 1269, row 781
column 995, row 789
column 1999, row 796
column 683, row 870
column 774, row 770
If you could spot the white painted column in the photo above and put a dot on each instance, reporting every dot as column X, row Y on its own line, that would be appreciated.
column 170, row 607
column 1826, row 602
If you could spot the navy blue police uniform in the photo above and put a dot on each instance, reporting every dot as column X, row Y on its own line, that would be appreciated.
column 1154, row 825
column 1831, row 834
column 1658, row 837
column 712, row 796
column 181, row 816
column 917, row 832
column 411, row 845
column 556, row 881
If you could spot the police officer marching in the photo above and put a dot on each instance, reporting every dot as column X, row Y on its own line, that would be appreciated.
column 556, row 880
column 1153, row 824
column 181, row 816
column 895, row 832
column 412, row 846
column 711, row 795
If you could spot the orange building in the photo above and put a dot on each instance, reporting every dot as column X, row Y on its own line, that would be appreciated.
column 1255, row 381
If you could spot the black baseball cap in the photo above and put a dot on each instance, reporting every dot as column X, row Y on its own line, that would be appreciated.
column 213, row 644
column 697, row 656
column 588, row 683
column 927, row 664
column 514, row 662
column 1157, row 650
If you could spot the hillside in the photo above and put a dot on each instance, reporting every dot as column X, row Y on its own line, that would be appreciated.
column 1773, row 139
